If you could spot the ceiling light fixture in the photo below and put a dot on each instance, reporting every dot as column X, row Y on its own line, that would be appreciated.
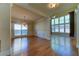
column 52, row 5
column 24, row 21
column 54, row 17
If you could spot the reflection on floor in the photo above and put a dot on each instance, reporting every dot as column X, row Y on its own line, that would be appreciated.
column 63, row 45
column 20, row 45
column 34, row 46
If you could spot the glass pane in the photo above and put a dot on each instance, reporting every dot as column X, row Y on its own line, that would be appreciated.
column 53, row 29
column 24, row 29
column 56, row 28
column 62, row 28
column 61, row 20
column 52, row 21
column 17, row 32
column 67, row 28
column 56, row 21
column 17, row 29
column 67, row 18
column 17, row 26
column 20, row 29
column 24, row 32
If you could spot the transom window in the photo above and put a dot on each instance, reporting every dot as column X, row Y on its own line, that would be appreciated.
column 61, row 24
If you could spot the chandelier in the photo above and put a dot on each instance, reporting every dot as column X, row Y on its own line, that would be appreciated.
column 53, row 5
column 24, row 21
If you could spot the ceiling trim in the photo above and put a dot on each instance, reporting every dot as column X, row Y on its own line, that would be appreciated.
column 34, row 10
column 13, row 19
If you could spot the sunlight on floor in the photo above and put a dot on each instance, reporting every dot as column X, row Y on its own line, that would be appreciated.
column 62, row 45
column 20, row 45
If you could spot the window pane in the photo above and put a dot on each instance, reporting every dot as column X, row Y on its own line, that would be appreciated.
column 61, row 20
column 53, row 29
column 67, row 19
column 56, row 21
column 56, row 28
column 17, row 29
column 61, row 24
column 62, row 28
column 17, row 32
column 24, row 32
column 24, row 29
column 17, row 26
column 52, row 21
column 67, row 28
column 20, row 29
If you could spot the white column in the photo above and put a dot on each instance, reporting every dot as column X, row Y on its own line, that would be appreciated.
column 5, row 28
column 77, row 27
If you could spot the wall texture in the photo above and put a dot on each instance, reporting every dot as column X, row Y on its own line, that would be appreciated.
column 77, row 25
column 31, row 26
column 42, row 29
column 5, row 28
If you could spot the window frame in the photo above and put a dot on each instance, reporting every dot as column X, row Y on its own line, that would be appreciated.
column 20, row 29
column 60, row 24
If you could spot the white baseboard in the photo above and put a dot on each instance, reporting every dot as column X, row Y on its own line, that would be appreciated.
column 44, row 38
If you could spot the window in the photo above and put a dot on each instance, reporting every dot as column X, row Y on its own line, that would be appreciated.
column 24, row 30
column 17, row 29
column 52, row 21
column 56, row 21
column 61, row 28
column 53, row 28
column 56, row 28
column 67, row 19
column 67, row 28
column 20, row 29
column 67, row 24
column 61, row 20
column 61, row 24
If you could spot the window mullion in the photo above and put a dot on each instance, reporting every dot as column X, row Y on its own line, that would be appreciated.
column 59, row 23
column 54, row 24
column 64, row 25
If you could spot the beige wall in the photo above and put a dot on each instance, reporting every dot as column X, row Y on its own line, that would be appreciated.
column 77, row 26
column 12, row 30
column 5, row 28
column 31, row 26
column 42, row 29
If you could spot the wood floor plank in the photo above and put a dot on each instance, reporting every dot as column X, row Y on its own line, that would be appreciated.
column 35, row 46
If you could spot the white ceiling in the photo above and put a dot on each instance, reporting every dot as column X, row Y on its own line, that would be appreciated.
column 21, row 13
column 36, row 11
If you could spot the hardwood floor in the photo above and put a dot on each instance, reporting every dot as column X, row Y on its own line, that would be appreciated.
column 64, row 45
column 34, row 46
